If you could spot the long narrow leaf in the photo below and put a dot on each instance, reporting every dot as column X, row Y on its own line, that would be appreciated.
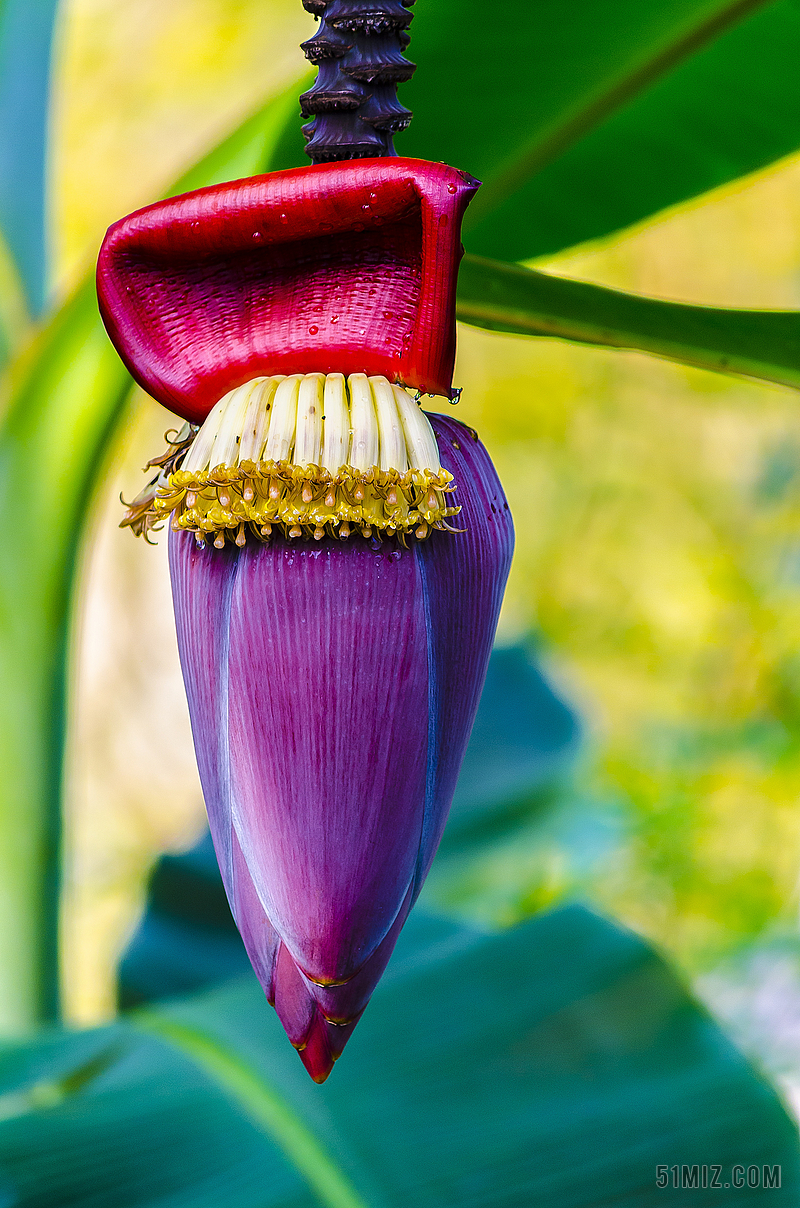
column 14, row 317
column 503, row 297
column 65, row 399
column 26, row 31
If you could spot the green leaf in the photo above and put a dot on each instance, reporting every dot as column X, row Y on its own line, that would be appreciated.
column 503, row 297
column 524, row 738
column 66, row 397
column 729, row 111
column 26, row 29
column 584, row 121
column 14, row 317
column 263, row 143
column 557, row 1063
column 263, row 1104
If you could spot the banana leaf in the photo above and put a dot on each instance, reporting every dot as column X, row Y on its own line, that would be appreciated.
column 562, row 1062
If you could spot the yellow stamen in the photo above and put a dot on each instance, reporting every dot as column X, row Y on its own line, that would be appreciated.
column 311, row 454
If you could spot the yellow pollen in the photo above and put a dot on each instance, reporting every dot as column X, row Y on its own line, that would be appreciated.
column 309, row 454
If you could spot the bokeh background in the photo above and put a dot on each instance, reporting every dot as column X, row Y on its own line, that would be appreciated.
column 657, row 573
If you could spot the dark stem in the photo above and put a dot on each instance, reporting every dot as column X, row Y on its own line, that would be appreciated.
column 359, row 52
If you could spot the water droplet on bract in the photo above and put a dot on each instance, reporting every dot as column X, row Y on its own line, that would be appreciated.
column 365, row 206
column 284, row 217
column 373, row 197
column 371, row 292
column 334, row 318
column 312, row 331
column 451, row 189
column 443, row 220
column 256, row 234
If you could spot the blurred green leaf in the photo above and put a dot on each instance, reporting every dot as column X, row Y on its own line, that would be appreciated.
column 66, row 395
column 263, row 143
column 263, row 1104
column 503, row 297
column 14, row 317
column 524, row 738
column 558, row 1063
column 580, row 122
column 26, row 30
column 729, row 110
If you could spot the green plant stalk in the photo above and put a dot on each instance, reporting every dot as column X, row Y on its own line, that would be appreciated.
column 53, row 438
column 66, row 395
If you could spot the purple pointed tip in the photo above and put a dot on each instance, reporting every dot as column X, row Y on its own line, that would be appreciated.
column 316, row 1054
column 318, row 1040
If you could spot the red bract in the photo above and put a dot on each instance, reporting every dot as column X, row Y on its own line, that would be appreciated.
column 335, row 642
column 341, row 268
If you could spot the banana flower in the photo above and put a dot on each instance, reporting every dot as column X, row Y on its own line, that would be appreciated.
column 338, row 556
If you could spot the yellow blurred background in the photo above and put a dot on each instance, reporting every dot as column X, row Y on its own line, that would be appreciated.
column 657, row 512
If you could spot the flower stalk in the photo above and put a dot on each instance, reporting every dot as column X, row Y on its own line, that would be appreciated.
column 353, row 102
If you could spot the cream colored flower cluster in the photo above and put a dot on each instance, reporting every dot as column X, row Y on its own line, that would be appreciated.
column 313, row 455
